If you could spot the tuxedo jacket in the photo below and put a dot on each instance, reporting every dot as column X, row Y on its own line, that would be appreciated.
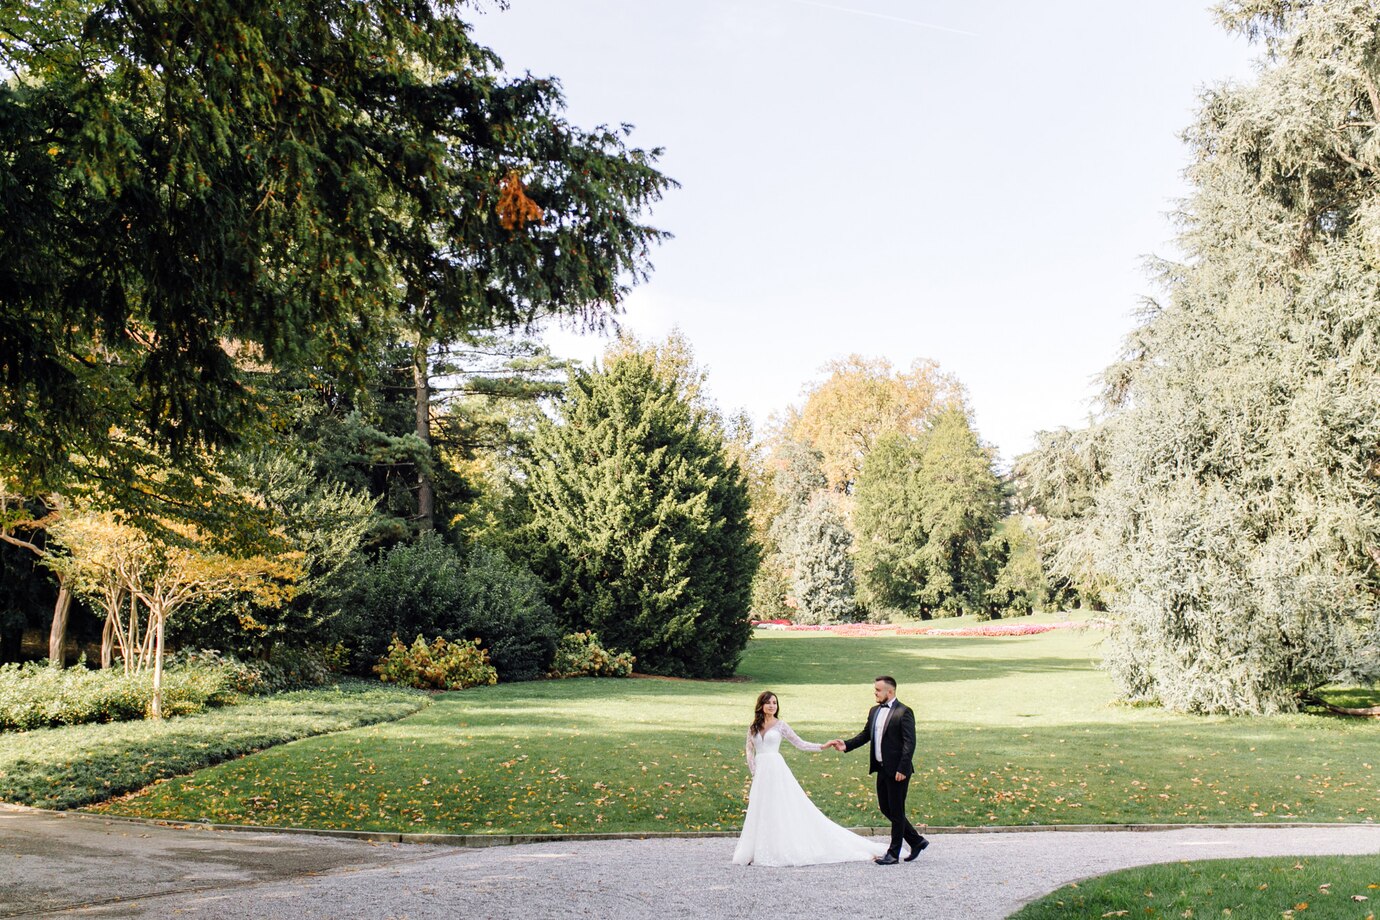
column 898, row 741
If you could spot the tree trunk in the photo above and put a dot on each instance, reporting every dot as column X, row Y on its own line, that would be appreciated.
column 156, row 705
column 132, row 643
column 108, row 643
column 57, row 636
column 421, row 380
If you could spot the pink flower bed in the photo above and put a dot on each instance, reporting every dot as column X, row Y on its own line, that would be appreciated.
column 878, row 629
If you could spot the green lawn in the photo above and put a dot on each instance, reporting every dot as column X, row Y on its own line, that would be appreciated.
column 1309, row 888
column 1014, row 730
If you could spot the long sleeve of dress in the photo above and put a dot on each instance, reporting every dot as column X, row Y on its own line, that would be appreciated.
column 751, row 755
column 793, row 738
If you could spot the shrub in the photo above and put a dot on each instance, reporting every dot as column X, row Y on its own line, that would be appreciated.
column 426, row 588
column 441, row 665
column 243, row 677
column 580, row 655
column 291, row 668
column 503, row 605
column 287, row 668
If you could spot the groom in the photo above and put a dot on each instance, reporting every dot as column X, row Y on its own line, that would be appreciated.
column 890, row 736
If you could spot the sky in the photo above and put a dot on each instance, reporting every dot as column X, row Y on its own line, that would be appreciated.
column 975, row 183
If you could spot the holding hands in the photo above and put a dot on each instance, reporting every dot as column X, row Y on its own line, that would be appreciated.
column 836, row 744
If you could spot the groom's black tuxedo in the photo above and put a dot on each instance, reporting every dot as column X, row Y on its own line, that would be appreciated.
column 898, row 746
column 898, row 740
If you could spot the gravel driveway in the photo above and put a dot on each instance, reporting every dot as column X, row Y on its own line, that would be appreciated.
column 93, row 867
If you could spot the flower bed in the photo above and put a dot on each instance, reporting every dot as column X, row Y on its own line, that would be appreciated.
column 878, row 629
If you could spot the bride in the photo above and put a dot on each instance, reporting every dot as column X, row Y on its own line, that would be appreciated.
column 783, row 827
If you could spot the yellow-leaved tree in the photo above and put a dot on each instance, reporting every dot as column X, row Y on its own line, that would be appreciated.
column 861, row 400
column 163, row 569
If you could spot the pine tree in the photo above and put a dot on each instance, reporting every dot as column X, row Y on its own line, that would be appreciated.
column 644, row 516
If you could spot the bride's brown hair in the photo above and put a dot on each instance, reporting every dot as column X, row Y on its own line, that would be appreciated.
column 759, row 717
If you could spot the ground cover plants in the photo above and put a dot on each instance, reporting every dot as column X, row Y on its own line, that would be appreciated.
column 1012, row 730
column 34, row 695
column 1310, row 888
column 79, row 764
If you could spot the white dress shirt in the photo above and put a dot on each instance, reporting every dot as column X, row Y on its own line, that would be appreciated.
column 879, row 726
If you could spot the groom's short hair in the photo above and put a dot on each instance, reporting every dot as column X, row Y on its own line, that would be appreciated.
column 886, row 680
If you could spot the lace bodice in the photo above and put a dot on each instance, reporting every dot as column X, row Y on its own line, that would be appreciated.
column 769, row 742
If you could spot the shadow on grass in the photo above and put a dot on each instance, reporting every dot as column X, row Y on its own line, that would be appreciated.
column 860, row 661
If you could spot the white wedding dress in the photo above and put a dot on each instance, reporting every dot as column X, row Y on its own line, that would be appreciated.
column 783, row 827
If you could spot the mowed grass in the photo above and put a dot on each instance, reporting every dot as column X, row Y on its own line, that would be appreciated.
column 1016, row 730
column 1317, row 888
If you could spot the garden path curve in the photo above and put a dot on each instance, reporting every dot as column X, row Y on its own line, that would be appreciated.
column 89, row 866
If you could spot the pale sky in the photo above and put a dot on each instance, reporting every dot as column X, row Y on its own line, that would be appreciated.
column 975, row 183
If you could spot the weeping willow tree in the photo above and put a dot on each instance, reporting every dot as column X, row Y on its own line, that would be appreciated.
column 1236, row 513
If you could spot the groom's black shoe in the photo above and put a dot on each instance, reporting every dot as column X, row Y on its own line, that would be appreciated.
column 886, row 860
column 916, row 850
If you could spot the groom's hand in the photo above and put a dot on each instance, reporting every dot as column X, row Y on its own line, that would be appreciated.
column 900, row 777
column 836, row 744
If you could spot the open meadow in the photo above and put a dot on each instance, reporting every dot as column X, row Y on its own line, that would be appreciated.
column 1015, row 730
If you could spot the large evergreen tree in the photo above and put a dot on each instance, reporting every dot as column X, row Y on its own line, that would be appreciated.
column 191, row 188
column 644, row 515
column 889, row 517
column 1238, row 520
column 925, row 509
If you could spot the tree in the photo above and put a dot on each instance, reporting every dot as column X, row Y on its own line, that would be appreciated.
column 176, row 573
column 788, row 479
column 1057, row 483
column 23, row 524
column 109, row 560
column 320, row 522
column 199, row 188
column 925, row 508
column 1239, row 520
column 26, row 602
column 818, row 546
column 863, row 399
column 153, row 494
column 644, row 513
column 104, row 562
column 889, row 515
column 1019, row 585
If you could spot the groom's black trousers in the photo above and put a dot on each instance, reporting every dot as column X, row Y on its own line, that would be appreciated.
column 891, row 798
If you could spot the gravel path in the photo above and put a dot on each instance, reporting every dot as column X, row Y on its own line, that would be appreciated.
column 92, row 867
